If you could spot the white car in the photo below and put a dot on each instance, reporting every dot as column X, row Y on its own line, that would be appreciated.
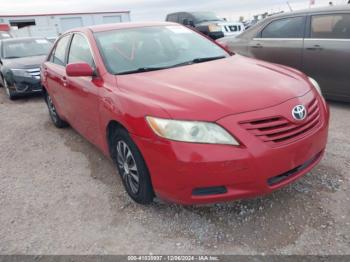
column 207, row 23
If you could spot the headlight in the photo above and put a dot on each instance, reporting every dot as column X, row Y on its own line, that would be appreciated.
column 20, row 72
column 316, row 85
column 214, row 28
column 191, row 131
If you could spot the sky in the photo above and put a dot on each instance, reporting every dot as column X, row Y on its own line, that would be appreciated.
column 155, row 10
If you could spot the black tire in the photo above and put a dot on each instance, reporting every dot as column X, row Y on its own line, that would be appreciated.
column 141, row 193
column 1, row 81
column 56, row 120
column 10, row 94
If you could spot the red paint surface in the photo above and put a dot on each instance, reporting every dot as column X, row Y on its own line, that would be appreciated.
column 227, row 91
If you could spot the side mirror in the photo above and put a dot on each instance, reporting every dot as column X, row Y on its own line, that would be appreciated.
column 79, row 69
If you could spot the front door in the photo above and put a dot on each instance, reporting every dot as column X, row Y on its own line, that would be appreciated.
column 281, row 42
column 83, row 92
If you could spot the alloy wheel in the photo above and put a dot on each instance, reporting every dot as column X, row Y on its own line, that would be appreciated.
column 127, row 166
column 52, row 109
column 8, row 92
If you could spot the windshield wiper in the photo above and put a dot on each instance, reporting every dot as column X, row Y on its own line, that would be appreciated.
column 149, row 69
column 142, row 70
column 206, row 59
column 199, row 60
column 12, row 57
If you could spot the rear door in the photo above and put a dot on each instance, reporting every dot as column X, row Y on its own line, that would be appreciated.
column 280, row 41
column 83, row 92
column 327, row 53
column 54, row 75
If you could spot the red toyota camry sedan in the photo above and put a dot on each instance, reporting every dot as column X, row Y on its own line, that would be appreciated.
column 181, row 117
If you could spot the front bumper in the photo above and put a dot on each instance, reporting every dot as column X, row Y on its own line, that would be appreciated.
column 216, row 35
column 25, row 85
column 187, row 173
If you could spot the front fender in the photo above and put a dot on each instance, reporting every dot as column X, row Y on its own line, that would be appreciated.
column 129, row 110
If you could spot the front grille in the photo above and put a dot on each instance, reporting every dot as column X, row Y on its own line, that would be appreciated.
column 232, row 28
column 34, row 72
column 278, row 130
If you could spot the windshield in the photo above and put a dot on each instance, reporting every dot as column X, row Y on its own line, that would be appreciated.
column 158, row 47
column 205, row 17
column 25, row 48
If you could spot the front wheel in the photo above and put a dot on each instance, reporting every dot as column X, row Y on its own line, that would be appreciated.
column 57, row 121
column 131, row 167
column 10, row 94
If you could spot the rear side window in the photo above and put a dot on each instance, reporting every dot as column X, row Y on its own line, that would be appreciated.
column 285, row 28
column 80, row 51
column 335, row 26
column 172, row 18
column 59, row 56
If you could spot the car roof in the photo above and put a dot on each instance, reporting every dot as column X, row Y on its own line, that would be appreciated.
column 328, row 9
column 116, row 26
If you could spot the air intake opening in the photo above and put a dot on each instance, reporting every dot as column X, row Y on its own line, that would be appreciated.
column 209, row 191
column 278, row 179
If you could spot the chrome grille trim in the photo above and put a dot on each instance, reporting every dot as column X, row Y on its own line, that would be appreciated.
column 278, row 130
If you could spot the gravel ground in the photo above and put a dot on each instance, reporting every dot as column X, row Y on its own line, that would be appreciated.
column 60, row 195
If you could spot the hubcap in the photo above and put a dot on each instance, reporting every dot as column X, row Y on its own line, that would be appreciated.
column 127, row 167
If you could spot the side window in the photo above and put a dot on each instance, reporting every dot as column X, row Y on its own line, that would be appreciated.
column 172, row 18
column 335, row 26
column 182, row 17
column 80, row 51
column 285, row 28
column 52, row 55
column 59, row 55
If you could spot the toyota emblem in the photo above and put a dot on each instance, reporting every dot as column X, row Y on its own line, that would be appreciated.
column 299, row 112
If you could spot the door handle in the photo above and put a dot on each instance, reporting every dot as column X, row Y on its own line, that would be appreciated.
column 315, row 48
column 257, row 46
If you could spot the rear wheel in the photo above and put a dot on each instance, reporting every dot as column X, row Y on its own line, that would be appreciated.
column 57, row 121
column 11, row 94
column 131, row 167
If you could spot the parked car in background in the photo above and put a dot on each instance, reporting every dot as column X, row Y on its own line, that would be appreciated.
column 180, row 116
column 207, row 23
column 20, row 60
column 4, row 35
column 5, row 31
column 315, row 41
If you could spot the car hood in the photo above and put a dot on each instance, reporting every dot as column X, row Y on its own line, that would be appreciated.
column 209, row 91
column 206, row 23
column 24, row 62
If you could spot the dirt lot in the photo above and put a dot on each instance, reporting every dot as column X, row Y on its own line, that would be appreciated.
column 60, row 195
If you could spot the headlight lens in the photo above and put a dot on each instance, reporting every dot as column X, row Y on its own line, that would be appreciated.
column 316, row 85
column 214, row 28
column 191, row 131
column 20, row 72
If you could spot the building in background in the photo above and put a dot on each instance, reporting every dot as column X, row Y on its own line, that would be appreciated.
column 52, row 25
